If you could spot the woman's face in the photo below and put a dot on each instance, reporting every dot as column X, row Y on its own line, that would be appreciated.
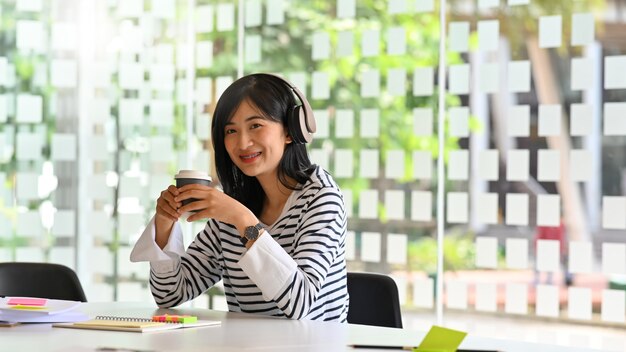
column 254, row 143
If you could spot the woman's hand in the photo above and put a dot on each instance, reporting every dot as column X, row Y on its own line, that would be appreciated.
column 212, row 203
column 166, row 215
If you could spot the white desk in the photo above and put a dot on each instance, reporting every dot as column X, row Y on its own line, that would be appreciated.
column 238, row 332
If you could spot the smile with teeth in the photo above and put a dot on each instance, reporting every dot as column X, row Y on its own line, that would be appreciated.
column 249, row 157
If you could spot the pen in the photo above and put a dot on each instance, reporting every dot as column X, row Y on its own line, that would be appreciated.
column 409, row 348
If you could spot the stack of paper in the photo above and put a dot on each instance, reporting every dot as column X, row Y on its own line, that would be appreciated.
column 39, row 310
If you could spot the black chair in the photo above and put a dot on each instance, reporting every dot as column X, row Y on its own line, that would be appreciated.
column 43, row 280
column 373, row 300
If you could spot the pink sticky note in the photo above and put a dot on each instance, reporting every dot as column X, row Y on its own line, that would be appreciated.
column 27, row 301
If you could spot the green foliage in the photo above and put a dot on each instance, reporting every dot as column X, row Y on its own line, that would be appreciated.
column 458, row 253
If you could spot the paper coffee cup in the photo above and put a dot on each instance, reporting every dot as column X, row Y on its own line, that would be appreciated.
column 186, row 177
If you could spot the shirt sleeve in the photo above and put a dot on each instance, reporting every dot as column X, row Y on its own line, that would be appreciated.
column 293, row 281
column 176, row 275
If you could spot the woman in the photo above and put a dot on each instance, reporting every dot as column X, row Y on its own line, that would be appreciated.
column 276, row 235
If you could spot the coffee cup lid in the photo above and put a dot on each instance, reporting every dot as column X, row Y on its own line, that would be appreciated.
column 195, row 174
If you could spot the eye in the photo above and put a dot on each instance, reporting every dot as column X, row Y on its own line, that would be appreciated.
column 229, row 131
column 255, row 125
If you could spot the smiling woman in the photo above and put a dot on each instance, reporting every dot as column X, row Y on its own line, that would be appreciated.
column 276, row 235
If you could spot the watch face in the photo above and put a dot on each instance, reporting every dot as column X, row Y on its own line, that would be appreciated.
column 252, row 232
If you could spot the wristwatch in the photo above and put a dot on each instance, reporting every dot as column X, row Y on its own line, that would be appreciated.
column 251, row 233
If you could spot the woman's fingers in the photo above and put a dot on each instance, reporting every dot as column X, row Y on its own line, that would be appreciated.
column 167, row 211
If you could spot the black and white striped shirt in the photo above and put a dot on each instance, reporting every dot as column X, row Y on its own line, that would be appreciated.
column 295, row 269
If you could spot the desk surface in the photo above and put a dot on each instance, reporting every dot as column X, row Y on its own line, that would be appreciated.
column 238, row 332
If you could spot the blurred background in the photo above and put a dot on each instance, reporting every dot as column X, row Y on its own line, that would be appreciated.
column 102, row 101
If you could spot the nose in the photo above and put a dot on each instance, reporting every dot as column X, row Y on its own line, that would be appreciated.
column 244, row 141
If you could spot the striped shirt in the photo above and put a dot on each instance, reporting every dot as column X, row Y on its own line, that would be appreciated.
column 295, row 269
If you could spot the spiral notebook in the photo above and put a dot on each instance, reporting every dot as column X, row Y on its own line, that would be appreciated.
column 133, row 324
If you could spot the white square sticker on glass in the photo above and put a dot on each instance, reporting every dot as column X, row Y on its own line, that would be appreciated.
column 489, row 79
column 204, row 18
column 275, row 12
column 344, row 163
column 64, row 36
column 29, row 108
column 162, row 77
column 549, row 165
column 488, row 35
column 396, row 41
column 129, row 8
column 488, row 165
column 424, row 6
column 320, row 46
column 370, row 43
column 131, row 112
column 165, row 9
column 162, row 149
column 421, row 206
column 298, row 79
column 350, row 245
column 548, row 210
column 487, row 208
column 368, row 204
column 485, row 4
column 518, row 2
column 580, row 258
column 456, row 208
column 26, row 185
column 30, row 36
column 130, row 187
column 580, row 165
column 517, row 168
column 581, row 116
column 614, row 121
column 396, row 82
column 397, row 248
column 519, row 121
column 347, row 199
column 344, row 123
column 422, row 165
column 370, row 123
column 423, row 292
column 458, row 165
column 320, row 157
column 516, row 209
column 29, row 254
column 130, row 75
column 516, row 253
column 225, row 17
column 370, row 84
column 614, row 258
column 397, row 6
column 63, row 147
column 458, row 82
column 346, row 8
column 457, row 294
column 516, row 298
column 29, row 146
column 548, row 255
column 613, row 306
column 252, row 49
column 322, row 122
column 423, row 81
column 614, row 68
column 65, row 256
column 345, row 43
column 394, row 204
column 519, row 76
column 423, row 121
column 252, row 13
column 549, row 120
column 459, row 36
column 394, row 164
column 4, row 72
column 579, row 303
column 550, row 29
column 321, row 85
column 29, row 5
column 613, row 210
column 29, row 224
column 459, row 121
column 486, row 297
column 64, row 223
column 486, row 252
column 370, row 247
column 583, row 29
column 547, row 301
column 581, row 73
column 162, row 112
column 368, row 164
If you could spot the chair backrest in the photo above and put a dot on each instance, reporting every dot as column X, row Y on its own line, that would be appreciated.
column 44, row 280
column 373, row 300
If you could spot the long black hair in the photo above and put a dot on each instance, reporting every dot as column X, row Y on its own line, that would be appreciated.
column 274, row 100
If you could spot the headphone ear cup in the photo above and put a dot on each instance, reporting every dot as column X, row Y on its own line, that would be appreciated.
column 297, row 125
